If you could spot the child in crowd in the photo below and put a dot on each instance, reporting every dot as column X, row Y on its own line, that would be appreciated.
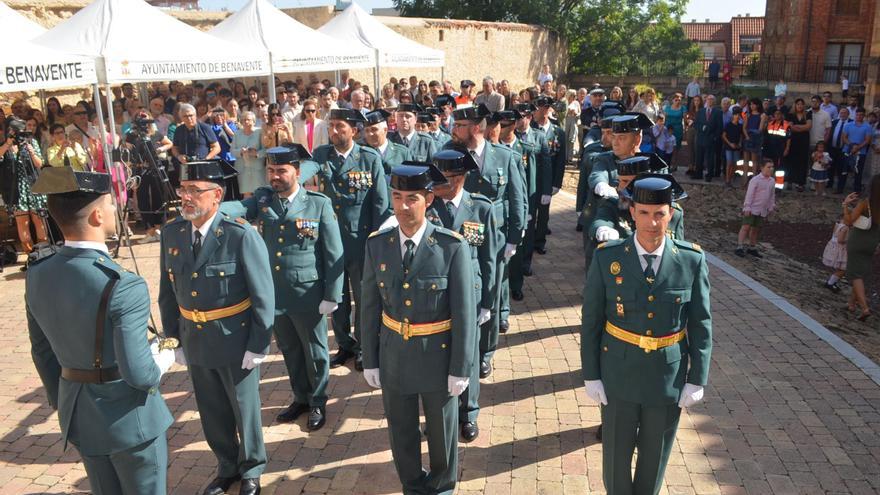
column 819, row 170
column 834, row 256
column 732, row 138
column 759, row 203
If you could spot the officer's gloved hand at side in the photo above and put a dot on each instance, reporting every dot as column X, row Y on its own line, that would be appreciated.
column 456, row 385
column 509, row 250
column 251, row 360
column 604, row 190
column 179, row 356
column 690, row 395
column 545, row 199
column 605, row 233
column 371, row 375
column 327, row 307
column 164, row 359
column 485, row 314
column 596, row 391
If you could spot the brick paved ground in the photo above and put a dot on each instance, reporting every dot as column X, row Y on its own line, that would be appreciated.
column 784, row 412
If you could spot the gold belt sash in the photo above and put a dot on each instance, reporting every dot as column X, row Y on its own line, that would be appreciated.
column 407, row 329
column 643, row 341
column 214, row 314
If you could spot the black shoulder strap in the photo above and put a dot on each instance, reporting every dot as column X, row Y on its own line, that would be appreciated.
column 102, row 318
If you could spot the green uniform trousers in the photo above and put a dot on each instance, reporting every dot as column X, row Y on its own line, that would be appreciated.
column 627, row 426
column 500, row 310
column 351, row 289
column 302, row 339
column 522, row 258
column 228, row 399
column 140, row 470
column 542, row 225
column 469, row 400
column 441, row 430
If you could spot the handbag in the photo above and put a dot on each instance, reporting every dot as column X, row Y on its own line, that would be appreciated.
column 863, row 222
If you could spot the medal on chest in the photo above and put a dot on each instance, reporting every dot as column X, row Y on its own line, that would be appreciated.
column 474, row 233
column 307, row 228
column 501, row 178
column 360, row 180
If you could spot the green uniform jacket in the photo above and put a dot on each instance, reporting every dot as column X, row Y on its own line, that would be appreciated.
column 475, row 221
column 616, row 291
column 501, row 181
column 421, row 145
column 556, row 144
column 586, row 167
column 62, row 296
column 304, row 244
column 439, row 282
column 541, row 173
column 440, row 138
column 357, row 189
column 609, row 215
column 233, row 265
column 395, row 154
column 603, row 168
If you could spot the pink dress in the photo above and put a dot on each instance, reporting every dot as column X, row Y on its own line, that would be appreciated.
column 834, row 255
column 117, row 172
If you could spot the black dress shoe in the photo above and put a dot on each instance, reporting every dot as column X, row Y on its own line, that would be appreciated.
column 316, row 418
column 359, row 362
column 517, row 295
column 579, row 228
column 504, row 326
column 541, row 250
column 342, row 356
column 485, row 369
column 220, row 485
column 292, row 412
column 249, row 486
column 527, row 271
column 469, row 431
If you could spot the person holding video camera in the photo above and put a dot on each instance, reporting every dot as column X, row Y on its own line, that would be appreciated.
column 193, row 140
column 20, row 162
column 149, row 188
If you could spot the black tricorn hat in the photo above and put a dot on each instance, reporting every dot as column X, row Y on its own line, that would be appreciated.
column 654, row 189
column 424, row 118
column 376, row 116
column 409, row 107
column 60, row 180
column 454, row 161
column 525, row 108
column 474, row 114
column 287, row 155
column 658, row 164
column 630, row 122
column 349, row 115
column 633, row 166
column 611, row 108
column 544, row 101
column 444, row 100
column 208, row 170
column 416, row 176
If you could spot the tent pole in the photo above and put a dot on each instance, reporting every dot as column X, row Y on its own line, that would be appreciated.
column 336, row 78
column 43, row 101
column 103, row 130
column 272, row 98
column 376, row 91
column 442, row 75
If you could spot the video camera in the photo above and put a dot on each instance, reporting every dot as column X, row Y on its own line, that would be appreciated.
column 17, row 130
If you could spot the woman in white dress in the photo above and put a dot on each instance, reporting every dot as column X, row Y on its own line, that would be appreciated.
column 249, row 154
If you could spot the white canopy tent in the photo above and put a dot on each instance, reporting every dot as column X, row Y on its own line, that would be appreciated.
column 292, row 47
column 356, row 27
column 17, row 26
column 32, row 67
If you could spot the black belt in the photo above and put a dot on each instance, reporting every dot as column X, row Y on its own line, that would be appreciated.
column 97, row 375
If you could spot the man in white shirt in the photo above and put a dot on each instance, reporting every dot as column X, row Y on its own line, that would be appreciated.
column 829, row 107
column 821, row 122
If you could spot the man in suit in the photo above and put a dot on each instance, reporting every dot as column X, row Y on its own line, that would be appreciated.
column 353, row 177
column 421, row 146
column 646, row 339
column 102, row 377
column 709, row 124
column 839, row 165
column 493, row 100
column 414, row 350
column 216, row 297
column 302, row 236
column 500, row 179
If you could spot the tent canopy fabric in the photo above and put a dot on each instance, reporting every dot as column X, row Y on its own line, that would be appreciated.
column 355, row 25
column 31, row 67
column 116, row 33
column 17, row 26
column 294, row 47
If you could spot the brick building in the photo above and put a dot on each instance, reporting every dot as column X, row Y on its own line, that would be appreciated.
column 733, row 41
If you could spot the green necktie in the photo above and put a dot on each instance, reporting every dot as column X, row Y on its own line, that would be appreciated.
column 197, row 244
column 451, row 209
column 284, row 204
column 649, row 270
column 410, row 252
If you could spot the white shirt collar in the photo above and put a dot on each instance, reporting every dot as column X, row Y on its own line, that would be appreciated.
column 406, row 136
column 657, row 252
column 480, row 148
column 205, row 228
column 416, row 238
column 292, row 196
column 98, row 246
column 383, row 147
column 346, row 153
column 456, row 201
column 510, row 144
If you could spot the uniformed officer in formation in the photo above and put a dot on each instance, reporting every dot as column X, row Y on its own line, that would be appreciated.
column 302, row 236
column 353, row 177
column 216, row 297
column 596, row 140
column 101, row 377
column 440, row 136
column 646, row 339
column 415, row 274
column 554, row 135
column 421, row 145
column 376, row 137
column 500, row 179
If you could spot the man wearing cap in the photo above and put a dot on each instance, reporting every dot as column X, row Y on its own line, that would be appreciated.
column 376, row 137
column 414, row 350
column 102, row 377
column 353, row 177
column 216, row 297
column 646, row 339
column 421, row 146
column 590, row 113
column 302, row 236
column 500, row 179
column 466, row 97
column 556, row 142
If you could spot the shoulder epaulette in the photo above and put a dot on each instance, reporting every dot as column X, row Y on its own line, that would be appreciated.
column 612, row 243
column 677, row 206
column 238, row 222
column 317, row 194
column 178, row 218
column 368, row 150
column 448, row 232
column 379, row 232
column 688, row 245
column 480, row 198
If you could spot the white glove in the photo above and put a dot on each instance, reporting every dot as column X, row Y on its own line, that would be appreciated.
column 327, row 307
column 371, row 375
column 604, row 190
column 164, row 359
column 251, row 360
column 509, row 251
column 179, row 356
column 605, row 233
column 690, row 395
column 390, row 222
column 596, row 391
column 485, row 314
column 456, row 385
column 545, row 199
column 555, row 190
column 529, row 219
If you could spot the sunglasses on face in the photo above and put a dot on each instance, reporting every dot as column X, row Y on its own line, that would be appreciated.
column 309, row 110
column 80, row 113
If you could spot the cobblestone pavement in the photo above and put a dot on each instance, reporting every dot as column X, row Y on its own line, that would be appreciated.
column 784, row 412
